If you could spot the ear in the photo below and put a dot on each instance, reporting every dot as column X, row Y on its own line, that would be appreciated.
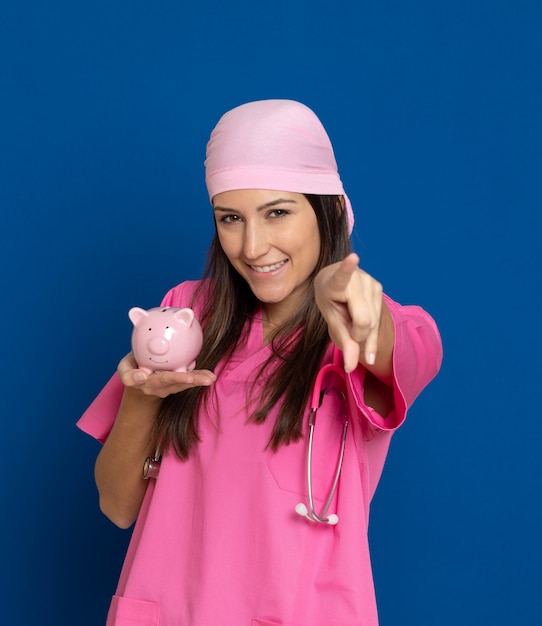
column 186, row 316
column 136, row 314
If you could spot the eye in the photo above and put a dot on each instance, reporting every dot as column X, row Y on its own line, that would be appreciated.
column 276, row 213
column 232, row 218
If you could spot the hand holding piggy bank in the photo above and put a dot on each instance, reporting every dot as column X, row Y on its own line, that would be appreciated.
column 165, row 338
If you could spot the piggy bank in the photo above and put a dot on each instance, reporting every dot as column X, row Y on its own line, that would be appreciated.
column 165, row 338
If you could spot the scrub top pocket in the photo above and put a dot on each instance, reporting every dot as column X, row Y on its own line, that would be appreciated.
column 132, row 612
column 288, row 465
column 266, row 622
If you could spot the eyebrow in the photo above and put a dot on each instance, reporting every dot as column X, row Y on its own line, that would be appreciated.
column 267, row 205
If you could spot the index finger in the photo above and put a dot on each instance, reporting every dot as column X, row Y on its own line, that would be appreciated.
column 128, row 371
column 341, row 277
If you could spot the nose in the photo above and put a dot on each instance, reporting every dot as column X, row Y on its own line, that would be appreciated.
column 158, row 345
column 255, row 242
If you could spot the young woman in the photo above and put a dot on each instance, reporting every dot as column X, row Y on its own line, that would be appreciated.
column 229, row 532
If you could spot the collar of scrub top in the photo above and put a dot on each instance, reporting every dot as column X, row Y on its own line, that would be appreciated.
column 334, row 376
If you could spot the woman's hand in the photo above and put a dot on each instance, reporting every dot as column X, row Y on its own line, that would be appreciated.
column 358, row 320
column 161, row 384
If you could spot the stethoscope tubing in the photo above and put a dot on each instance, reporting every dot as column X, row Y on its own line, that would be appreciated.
column 312, row 514
column 334, row 370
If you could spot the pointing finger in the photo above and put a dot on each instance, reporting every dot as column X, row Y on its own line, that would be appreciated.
column 343, row 274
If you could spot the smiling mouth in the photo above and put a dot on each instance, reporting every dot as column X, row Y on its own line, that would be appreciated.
column 264, row 269
column 155, row 361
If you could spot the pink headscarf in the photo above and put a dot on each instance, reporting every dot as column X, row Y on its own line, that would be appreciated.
column 273, row 144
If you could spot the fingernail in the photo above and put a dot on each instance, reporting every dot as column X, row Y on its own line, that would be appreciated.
column 140, row 377
column 372, row 359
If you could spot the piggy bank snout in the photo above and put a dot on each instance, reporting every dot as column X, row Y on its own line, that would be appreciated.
column 158, row 345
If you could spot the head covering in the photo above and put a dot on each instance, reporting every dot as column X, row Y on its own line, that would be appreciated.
column 273, row 144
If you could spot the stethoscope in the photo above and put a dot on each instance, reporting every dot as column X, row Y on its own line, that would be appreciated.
column 151, row 467
column 331, row 370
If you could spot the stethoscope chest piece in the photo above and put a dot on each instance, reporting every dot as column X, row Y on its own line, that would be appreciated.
column 151, row 466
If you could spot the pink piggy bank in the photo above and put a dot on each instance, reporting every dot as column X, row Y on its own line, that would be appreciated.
column 165, row 338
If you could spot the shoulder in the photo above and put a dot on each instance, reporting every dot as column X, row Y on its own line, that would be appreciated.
column 190, row 293
column 414, row 322
column 401, row 312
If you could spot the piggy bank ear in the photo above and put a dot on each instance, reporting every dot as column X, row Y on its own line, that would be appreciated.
column 136, row 314
column 186, row 316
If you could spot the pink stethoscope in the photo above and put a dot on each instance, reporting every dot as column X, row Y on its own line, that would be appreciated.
column 333, row 371
column 330, row 371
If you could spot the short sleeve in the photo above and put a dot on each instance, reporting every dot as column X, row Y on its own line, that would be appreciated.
column 417, row 357
column 97, row 421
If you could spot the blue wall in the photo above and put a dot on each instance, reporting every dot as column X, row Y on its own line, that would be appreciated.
column 434, row 111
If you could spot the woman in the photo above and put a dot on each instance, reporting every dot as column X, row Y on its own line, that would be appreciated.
column 218, row 538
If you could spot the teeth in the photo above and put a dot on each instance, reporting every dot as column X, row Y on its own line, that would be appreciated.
column 267, row 268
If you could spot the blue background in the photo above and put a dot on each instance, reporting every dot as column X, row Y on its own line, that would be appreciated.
column 434, row 111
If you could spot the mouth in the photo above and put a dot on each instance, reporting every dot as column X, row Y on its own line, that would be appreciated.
column 158, row 362
column 265, row 269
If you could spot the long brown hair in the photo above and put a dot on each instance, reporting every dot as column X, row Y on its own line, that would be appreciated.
column 229, row 307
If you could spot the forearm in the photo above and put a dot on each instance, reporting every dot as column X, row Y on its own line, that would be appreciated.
column 118, row 470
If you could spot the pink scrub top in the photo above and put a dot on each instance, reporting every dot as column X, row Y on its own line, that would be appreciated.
column 217, row 540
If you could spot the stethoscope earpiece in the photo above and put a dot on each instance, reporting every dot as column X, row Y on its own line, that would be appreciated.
column 302, row 510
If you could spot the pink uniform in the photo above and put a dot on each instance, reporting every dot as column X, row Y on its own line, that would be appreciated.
column 218, row 541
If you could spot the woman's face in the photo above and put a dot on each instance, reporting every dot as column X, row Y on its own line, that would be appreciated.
column 271, row 238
